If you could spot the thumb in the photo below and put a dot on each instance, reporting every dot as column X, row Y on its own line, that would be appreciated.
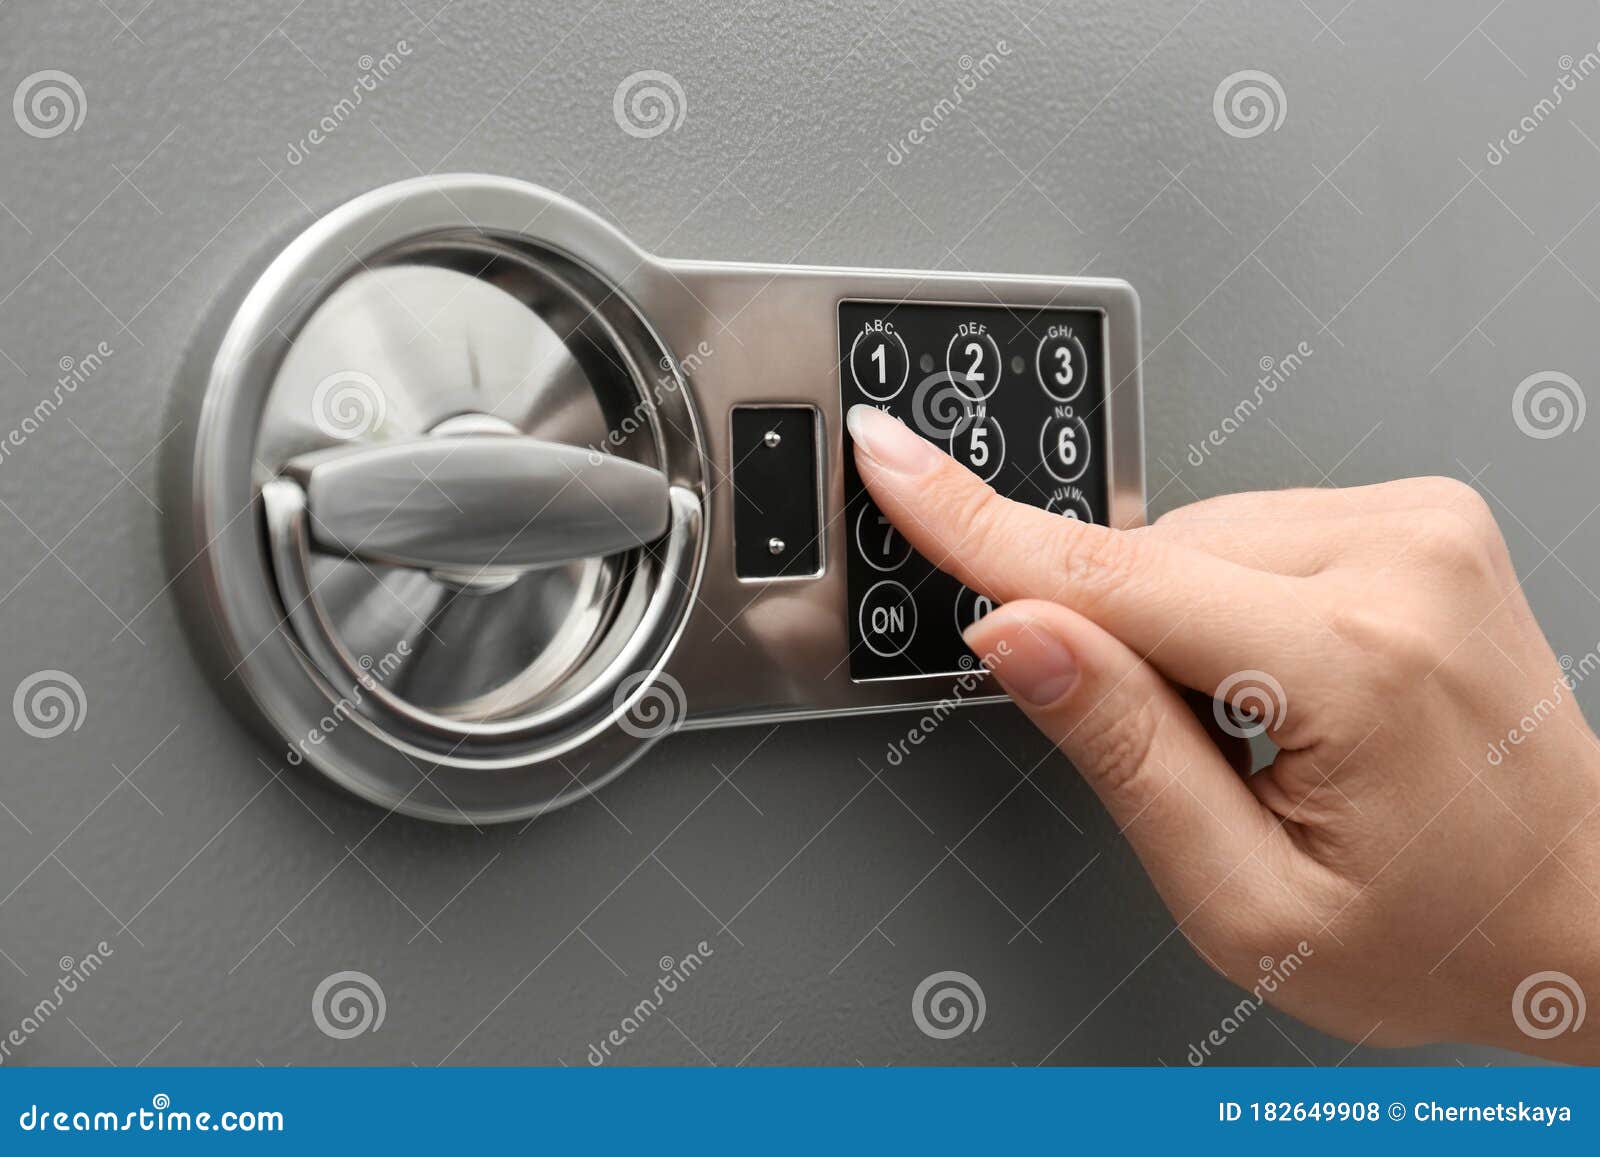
column 1194, row 824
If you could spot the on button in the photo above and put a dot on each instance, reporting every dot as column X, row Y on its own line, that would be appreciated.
column 888, row 619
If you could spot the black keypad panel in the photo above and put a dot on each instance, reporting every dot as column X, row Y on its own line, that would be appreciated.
column 1017, row 396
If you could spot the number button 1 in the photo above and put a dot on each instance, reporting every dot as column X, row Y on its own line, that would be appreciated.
column 879, row 363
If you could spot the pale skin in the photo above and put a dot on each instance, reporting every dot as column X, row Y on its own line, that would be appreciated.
column 1429, row 846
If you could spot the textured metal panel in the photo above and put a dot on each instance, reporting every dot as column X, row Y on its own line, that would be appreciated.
column 826, row 879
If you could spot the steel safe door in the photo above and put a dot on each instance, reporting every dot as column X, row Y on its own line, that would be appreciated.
column 886, row 888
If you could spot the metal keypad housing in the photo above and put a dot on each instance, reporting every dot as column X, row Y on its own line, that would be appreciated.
column 698, row 408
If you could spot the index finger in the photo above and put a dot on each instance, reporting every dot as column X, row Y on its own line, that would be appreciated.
column 1199, row 618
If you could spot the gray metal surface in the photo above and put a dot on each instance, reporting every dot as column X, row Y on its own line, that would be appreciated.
column 1429, row 264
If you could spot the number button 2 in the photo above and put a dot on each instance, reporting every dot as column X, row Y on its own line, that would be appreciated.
column 973, row 359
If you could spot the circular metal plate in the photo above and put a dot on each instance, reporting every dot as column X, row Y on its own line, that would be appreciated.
column 427, row 307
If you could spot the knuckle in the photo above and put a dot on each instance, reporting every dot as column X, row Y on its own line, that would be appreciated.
column 1387, row 652
column 1454, row 541
column 1441, row 490
column 1116, row 747
column 977, row 516
column 1093, row 561
column 1194, row 512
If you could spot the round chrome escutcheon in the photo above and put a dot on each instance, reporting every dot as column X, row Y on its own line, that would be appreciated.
column 444, row 502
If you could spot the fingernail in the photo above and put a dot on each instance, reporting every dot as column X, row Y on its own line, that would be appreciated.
column 889, row 441
column 1026, row 656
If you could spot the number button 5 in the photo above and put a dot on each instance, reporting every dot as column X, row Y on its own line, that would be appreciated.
column 979, row 444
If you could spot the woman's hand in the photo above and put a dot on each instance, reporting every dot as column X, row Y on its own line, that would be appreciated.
column 1431, row 825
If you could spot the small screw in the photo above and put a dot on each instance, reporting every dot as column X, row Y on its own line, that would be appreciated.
column 776, row 546
column 772, row 438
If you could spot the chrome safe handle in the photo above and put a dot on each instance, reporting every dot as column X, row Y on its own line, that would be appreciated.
column 465, row 504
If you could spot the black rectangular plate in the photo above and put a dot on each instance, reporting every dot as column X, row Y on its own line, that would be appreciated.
column 1029, row 442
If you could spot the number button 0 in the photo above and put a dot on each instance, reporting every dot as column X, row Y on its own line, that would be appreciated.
column 979, row 444
column 1064, row 447
column 1061, row 365
column 879, row 363
column 970, row 607
column 973, row 358
column 884, row 547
